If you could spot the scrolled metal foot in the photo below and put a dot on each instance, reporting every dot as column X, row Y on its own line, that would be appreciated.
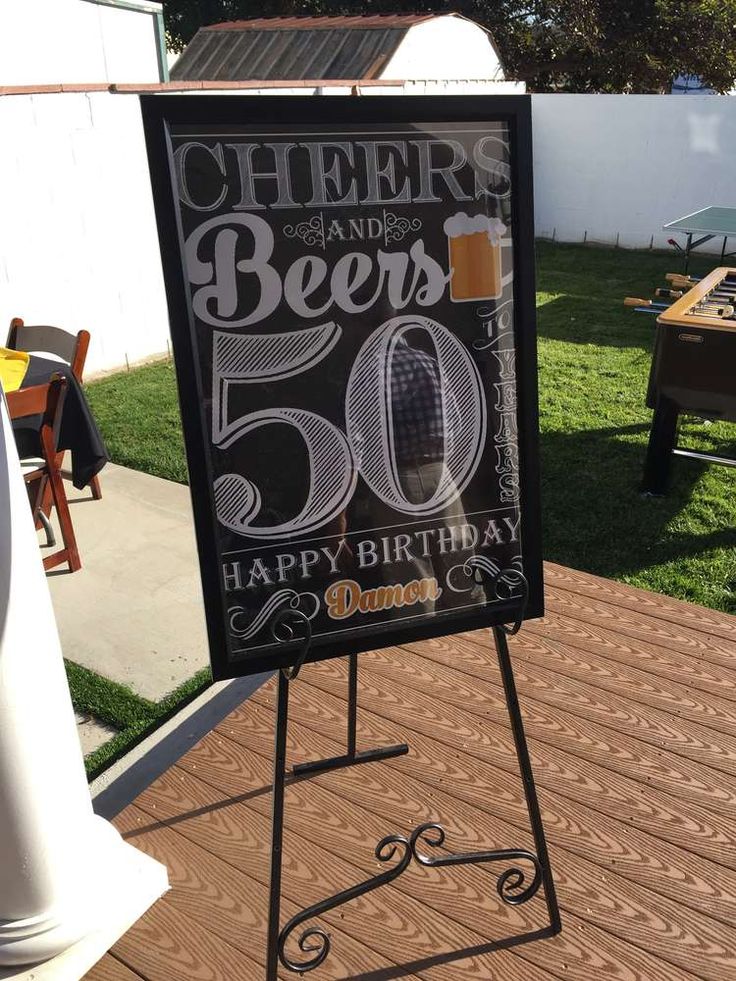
column 510, row 885
column 322, row 949
column 385, row 850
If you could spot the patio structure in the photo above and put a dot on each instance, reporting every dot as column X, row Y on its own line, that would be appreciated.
column 629, row 700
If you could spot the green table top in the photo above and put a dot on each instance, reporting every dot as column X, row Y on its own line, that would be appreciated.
column 709, row 221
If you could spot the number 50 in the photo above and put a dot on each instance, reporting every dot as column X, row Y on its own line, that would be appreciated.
column 335, row 457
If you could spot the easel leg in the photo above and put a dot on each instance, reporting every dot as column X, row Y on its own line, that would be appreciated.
column 351, row 757
column 277, row 828
column 514, row 885
column 527, row 776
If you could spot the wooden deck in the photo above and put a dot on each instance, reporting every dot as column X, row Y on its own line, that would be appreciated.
column 629, row 702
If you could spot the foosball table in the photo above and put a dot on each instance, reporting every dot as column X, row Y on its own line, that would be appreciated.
column 693, row 365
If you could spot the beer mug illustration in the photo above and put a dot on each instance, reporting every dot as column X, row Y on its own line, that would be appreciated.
column 474, row 246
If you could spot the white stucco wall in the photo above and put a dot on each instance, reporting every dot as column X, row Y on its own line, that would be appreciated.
column 78, row 241
column 46, row 42
column 624, row 165
column 444, row 48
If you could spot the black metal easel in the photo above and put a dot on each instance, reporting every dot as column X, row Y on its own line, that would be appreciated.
column 292, row 628
column 351, row 757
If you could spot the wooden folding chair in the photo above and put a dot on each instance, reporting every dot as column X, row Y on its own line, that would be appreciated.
column 56, row 343
column 47, row 401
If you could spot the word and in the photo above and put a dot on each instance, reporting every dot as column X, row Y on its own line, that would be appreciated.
column 354, row 230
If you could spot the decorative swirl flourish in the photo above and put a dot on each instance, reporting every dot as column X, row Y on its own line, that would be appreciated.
column 395, row 227
column 275, row 602
column 504, row 584
column 510, row 583
column 311, row 232
column 510, row 886
column 385, row 850
column 320, row 950
column 482, row 570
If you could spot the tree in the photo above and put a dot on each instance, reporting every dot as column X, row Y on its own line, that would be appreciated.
column 552, row 45
column 626, row 45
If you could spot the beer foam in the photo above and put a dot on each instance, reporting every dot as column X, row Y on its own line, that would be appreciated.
column 463, row 224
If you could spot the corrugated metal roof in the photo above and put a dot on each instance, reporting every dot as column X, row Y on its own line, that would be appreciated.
column 321, row 23
column 294, row 48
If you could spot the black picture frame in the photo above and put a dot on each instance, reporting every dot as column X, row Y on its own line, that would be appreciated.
column 162, row 112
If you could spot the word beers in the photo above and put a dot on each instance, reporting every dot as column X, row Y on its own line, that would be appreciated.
column 475, row 257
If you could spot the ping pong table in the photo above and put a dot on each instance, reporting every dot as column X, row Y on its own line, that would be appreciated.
column 708, row 223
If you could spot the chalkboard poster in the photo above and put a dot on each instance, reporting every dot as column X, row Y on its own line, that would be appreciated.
column 350, row 288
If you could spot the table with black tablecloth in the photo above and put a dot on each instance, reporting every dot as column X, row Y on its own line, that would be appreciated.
column 78, row 431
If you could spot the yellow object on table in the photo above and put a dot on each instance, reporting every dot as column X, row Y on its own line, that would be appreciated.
column 13, row 367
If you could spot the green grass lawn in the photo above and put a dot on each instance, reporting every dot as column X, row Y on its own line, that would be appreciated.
column 134, row 717
column 594, row 358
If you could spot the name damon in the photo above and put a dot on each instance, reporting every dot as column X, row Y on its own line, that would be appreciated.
column 346, row 597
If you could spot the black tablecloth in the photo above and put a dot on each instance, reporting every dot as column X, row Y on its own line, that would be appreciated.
column 78, row 432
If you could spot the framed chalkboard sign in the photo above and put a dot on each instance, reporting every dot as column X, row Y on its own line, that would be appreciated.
column 351, row 293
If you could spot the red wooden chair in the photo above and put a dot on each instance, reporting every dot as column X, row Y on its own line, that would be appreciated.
column 47, row 401
column 56, row 344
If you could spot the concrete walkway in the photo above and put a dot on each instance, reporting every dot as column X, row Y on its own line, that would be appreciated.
column 134, row 611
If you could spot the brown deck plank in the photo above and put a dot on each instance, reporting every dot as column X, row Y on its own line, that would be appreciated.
column 697, row 618
column 660, row 661
column 676, row 700
column 588, row 741
column 640, row 627
column 222, row 899
column 610, row 801
column 388, row 917
column 470, row 654
column 110, row 969
column 613, row 796
column 413, row 672
column 628, row 700
column 632, row 903
column 332, row 820
column 165, row 945
column 476, row 829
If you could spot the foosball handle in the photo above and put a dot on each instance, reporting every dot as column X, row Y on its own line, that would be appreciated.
column 635, row 301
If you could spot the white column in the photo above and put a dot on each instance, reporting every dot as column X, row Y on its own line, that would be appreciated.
column 64, row 872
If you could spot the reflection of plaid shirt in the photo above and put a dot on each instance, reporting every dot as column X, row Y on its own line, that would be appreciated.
column 416, row 405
